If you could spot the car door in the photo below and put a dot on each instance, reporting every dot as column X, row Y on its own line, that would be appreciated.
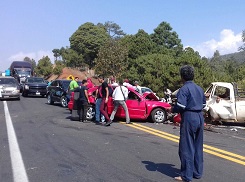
column 136, row 107
column 52, row 90
column 58, row 90
column 221, row 105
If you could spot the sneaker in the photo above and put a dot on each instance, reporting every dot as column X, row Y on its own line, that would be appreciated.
column 129, row 122
column 108, row 123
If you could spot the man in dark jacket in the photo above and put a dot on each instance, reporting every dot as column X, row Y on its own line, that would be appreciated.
column 190, row 102
column 83, row 101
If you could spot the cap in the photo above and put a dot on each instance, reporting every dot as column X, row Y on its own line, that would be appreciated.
column 136, row 82
column 126, row 80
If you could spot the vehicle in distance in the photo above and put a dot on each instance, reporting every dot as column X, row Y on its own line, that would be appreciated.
column 57, row 92
column 9, row 88
column 20, row 70
column 34, row 86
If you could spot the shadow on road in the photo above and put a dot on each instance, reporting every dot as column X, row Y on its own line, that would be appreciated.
column 167, row 169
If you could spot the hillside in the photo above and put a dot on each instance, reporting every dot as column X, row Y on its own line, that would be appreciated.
column 66, row 72
column 238, row 56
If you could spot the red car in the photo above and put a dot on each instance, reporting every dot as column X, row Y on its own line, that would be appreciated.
column 146, row 106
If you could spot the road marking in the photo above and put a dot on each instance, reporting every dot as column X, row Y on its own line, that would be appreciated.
column 208, row 149
column 17, row 163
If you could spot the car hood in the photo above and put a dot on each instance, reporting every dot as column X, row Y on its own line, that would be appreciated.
column 37, row 84
column 150, row 95
column 8, row 87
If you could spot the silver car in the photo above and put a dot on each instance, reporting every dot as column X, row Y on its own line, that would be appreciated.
column 9, row 88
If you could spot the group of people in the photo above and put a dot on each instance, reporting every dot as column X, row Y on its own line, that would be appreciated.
column 190, row 103
column 119, row 95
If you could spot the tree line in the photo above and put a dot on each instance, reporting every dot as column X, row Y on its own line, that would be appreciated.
column 152, row 59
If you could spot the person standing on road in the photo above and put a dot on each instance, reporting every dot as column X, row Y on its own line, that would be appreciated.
column 83, row 101
column 120, row 95
column 72, row 86
column 190, row 102
column 97, row 105
column 103, row 91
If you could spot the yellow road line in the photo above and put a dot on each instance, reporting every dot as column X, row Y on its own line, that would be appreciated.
column 175, row 138
column 205, row 146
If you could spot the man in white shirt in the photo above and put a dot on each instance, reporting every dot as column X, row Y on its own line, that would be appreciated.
column 119, row 95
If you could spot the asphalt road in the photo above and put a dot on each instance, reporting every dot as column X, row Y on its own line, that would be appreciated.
column 44, row 145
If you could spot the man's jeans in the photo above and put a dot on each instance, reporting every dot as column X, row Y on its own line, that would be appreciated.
column 97, row 109
column 117, row 103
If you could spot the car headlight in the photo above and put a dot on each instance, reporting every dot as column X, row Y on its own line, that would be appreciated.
column 27, row 87
column 16, row 91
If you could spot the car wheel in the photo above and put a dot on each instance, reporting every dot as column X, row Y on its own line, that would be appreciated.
column 24, row 94
column 18, row 98
column 90, row 113
column 158, row 115
column 63, row 101
column 50, row 102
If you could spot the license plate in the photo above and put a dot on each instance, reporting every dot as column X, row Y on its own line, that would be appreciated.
column 6, row 96
column 37, row 93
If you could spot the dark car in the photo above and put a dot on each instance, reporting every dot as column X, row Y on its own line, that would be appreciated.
column 9, row 88
column 34, row 86
column 57, row 91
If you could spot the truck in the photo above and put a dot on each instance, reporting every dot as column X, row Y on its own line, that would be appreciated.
column 225, row 102
column 20, row 70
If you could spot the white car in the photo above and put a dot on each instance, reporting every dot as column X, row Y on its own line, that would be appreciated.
column 9, row 88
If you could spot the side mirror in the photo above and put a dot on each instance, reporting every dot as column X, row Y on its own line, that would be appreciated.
column 22, row 82
column 139, row 99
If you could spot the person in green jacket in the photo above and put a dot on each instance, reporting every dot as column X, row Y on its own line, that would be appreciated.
column 73, row 84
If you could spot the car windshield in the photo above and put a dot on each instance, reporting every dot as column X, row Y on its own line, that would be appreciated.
column 23, row 72
column 35, row 80
column 145, row 89
column 7, row 81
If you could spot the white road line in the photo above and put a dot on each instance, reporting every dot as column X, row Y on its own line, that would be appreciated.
column 18, row 166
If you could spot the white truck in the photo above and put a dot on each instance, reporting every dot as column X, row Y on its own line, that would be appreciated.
column 225, row 103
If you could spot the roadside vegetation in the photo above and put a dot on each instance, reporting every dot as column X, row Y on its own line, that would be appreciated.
column 152, row 59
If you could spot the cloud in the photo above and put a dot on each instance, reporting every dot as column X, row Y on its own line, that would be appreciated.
column 228, row 43
column 33, row 55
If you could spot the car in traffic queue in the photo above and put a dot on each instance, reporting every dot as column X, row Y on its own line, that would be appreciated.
column 57, row 91
column 34, row 86
column 141, row 107
column 9, row 88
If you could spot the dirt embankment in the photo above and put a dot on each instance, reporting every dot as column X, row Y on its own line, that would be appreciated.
column 66, row 72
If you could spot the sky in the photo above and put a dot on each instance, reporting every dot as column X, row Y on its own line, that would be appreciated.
column 33, row 28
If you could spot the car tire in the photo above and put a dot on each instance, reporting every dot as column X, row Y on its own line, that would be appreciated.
column 158, row 115
column 90, row 113
column 18, row 98
column 24, row 94
column 63, row 101
column 49, row 98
